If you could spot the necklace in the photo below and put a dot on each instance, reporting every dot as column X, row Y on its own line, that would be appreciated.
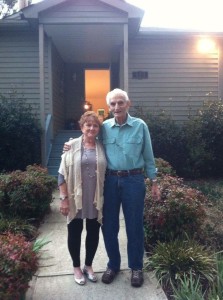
column 87, row 164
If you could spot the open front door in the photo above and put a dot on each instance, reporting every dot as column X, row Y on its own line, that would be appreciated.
column 97, row 85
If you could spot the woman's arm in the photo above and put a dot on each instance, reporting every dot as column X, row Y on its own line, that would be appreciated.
column 64, row 201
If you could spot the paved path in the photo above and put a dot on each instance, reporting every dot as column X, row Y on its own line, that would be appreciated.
column 54, row 279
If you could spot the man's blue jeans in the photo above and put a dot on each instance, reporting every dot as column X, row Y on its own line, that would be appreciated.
column 128, row 191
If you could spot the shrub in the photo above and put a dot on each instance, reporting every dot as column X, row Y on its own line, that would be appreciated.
column 20, row 134
column 173, row 260
column 164, row 167
column 212, row 227
column 216, row 291
column 180, row 210
column 27, row 194
column 188, row 289
column 210, row 125
column 18, row 263
column 18, row 226
column 194, row 148
column 167, row 137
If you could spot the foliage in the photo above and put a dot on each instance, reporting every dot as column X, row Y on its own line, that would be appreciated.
column 208, row 128
column 212, row 227
column 6, row 7
column 18, row 263
column 203, row 141
column 167, row 137
column 173, row 260
column 189, row 288
column 18, row 226
column 164, row 167
column 39, row 244
column 20, row 134
column 26, row 194
column 180, row 210
column 194, row 148
column 216, row 291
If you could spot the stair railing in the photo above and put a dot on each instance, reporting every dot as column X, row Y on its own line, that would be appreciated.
column 48, row 137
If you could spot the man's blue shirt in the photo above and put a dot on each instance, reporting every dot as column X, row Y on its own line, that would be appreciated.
column 128, row 146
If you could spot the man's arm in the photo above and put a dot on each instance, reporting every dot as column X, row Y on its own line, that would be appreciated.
column 67, row 145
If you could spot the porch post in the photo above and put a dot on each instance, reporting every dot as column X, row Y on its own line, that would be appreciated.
column 41, row 78
column 220, row 71
column 126, row 58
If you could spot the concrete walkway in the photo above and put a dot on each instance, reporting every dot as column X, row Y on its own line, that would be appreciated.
column 54, row 279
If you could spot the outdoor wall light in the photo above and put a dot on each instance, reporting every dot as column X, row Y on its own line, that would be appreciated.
column 206, row 45
column 87, row 106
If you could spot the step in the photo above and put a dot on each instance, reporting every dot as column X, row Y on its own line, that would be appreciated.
column 57, row 149
column 53, row 171
column 54, row 161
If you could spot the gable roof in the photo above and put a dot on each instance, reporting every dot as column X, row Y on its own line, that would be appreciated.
column 33, row 10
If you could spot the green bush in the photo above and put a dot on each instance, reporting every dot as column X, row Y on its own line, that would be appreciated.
column 18, row 226
column 193, row 148
column 180, row 210
column 167, row 137
column 173, row 260
column 216, row 291
column 188, row 289
column 206, row 139
column 18, row 263
column 164, row 167
column 26, row 195
column 20, row 134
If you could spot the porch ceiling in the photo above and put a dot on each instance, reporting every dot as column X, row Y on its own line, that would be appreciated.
column 87, row 43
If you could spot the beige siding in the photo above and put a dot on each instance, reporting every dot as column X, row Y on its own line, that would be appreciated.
column 179, row 78
column 83, row 11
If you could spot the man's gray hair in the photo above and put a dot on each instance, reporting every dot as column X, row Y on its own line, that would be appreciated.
column 115, row 93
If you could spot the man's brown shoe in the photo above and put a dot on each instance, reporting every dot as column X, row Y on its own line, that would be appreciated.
column 137, row 278
column 108, row 276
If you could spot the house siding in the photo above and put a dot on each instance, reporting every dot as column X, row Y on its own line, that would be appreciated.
column 58, row 90
column 84, row 11
column 179, row 78
column 19, row 69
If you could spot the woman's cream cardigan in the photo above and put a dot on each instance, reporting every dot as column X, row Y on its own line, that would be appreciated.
column 70, row 168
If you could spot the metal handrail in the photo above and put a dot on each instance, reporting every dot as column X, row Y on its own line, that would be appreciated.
column 48, row 137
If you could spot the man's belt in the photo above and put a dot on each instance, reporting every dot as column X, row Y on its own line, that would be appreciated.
column 124, row 172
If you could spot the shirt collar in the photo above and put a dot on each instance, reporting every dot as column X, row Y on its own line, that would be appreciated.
column 129, row 121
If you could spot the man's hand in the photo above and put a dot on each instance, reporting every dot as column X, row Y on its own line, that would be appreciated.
column 155, row 191
column 66, row 147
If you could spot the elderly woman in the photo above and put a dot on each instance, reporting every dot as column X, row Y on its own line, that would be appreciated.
column 81, row 182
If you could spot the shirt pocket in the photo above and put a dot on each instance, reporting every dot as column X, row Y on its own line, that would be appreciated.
column 109, row 145
column 134, row 146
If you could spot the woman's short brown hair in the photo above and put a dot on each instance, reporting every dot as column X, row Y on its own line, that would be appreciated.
column 89, row 115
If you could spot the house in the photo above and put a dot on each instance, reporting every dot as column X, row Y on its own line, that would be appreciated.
column 64, row 55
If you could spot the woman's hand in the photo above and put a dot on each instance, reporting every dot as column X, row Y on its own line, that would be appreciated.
column 64, row 207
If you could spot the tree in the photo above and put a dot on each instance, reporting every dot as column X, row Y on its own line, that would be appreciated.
column 20, row 134
column 7, row 7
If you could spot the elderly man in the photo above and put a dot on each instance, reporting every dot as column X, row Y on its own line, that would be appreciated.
column 130, row 157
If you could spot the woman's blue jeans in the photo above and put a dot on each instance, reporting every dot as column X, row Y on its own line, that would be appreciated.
column 128, row 191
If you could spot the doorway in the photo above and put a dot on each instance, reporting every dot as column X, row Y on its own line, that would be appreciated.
column 97, row 85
